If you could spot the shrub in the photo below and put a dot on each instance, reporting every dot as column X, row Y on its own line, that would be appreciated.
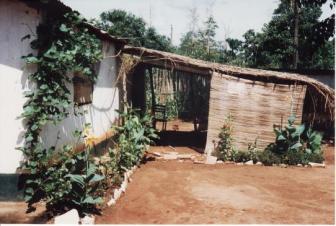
column 131, row 140
column 72, row 182
column 294, row 157
column 296, row 144
column 253, row 151
column 224, row 148
column 268, row 158
column 241, row 156
column 314, row 157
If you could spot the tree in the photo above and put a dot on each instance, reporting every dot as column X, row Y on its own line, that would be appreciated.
column 208, row 35
column 232, row 55
column 153, row 40
column 201, row 44
column 281, row 47
column 126, row 25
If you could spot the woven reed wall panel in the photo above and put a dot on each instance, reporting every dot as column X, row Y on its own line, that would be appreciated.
column 254, row 106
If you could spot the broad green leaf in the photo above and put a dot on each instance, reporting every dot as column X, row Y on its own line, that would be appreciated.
column 281, row 138
column 298, row 131
column 90, row 200
column 291, row 119
column 77, row 178
column 296, row 146
column 96, row 178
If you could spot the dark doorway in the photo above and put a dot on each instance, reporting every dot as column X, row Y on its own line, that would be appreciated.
column 184, row 98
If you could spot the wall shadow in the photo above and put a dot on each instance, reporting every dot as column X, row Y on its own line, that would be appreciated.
column 194, row 140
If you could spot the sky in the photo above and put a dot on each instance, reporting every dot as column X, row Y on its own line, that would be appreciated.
column 234, row 17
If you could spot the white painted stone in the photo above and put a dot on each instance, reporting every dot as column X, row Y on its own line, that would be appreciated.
column 117, row 194
column 249, row 163
column 184, row 156
column 229, row 162
column 299, row 165
column 111, row 202
column 198, row 162
column 259, row 164
column 283, row 165
column 171, row 147
column 210, row 160
column 70, row 217
column 220, row 162
column 170, row 156
column 88, row 220
column 157, row 154
column 123, row 186
column 316, row 165
column 239, row 163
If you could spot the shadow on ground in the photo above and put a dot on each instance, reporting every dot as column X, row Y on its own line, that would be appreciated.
column 195, row 140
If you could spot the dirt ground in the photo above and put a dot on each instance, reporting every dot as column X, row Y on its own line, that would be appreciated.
column 173, row 192
column 183, row 192
column 15, row 213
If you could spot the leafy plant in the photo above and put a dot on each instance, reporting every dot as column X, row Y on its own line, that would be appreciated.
column 241, row 156
column 268, row 157
column 225, row 146
column 296, row 144
column 72, row 182
column 132, row 139
column 64, row 45
column 288, row 138
column 253, row 151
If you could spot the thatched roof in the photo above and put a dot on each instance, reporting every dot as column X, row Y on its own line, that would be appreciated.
column 175, row 61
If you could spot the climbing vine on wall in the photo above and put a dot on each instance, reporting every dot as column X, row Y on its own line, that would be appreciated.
column 64, row 45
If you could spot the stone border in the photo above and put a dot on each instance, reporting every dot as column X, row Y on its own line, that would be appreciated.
column 212, row 160
column 72, row 216
column 122, row 189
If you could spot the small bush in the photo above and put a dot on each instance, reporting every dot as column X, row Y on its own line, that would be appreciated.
column 242, row 156
column 296, row 144
column 253, row 151
column 294, row 157
column 268, row 158
column 224, row 149
column 131, row 141
column 315, row 157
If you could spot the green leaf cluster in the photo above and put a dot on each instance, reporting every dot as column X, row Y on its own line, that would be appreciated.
column 294, row 144
column 73, row 182
column 132, row 139
column 225, row 149
column 64, row 45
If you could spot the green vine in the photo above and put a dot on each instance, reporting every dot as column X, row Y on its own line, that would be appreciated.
column 64, row 45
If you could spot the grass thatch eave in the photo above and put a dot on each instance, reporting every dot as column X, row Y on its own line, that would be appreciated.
column 172, row 60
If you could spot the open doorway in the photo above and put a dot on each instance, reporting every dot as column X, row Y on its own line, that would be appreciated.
column 178, row 101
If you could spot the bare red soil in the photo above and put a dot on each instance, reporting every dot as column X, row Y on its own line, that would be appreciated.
column 183, row 192
column 173, row 192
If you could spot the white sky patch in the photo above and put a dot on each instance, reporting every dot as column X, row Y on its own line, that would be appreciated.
column 234, row 17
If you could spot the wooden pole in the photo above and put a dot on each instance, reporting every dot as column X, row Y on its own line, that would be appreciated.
column 152, row 87
column 295, row 8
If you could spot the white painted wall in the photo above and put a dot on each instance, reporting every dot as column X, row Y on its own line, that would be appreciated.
column 101, row 113
column 16, row 21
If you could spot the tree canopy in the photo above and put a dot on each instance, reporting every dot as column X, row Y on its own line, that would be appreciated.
column 127, row 25
column 294, row 38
